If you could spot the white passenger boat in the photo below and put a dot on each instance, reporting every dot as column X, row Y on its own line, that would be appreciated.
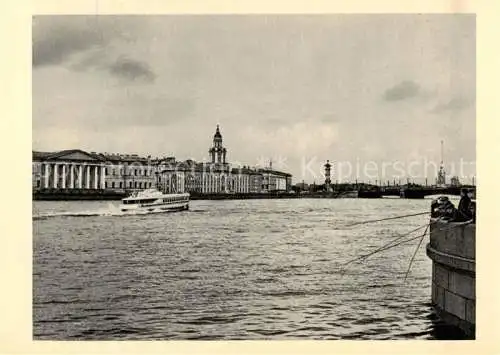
column 152, row 200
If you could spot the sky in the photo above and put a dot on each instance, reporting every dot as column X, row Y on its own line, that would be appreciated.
column 374, row 94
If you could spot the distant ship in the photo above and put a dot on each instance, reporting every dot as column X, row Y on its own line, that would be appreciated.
column 152, row 200
column 348, row 194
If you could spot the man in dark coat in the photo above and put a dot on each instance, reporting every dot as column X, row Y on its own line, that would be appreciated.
column 442, row 207
column 464, row 207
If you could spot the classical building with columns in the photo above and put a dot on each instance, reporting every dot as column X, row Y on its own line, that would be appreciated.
column 128, row 172
column 74, row 170
column 68, row 169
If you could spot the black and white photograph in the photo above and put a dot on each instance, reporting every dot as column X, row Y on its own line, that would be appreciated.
column 254, row 177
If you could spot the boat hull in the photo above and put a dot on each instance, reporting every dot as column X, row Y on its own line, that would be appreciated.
column 157, row 208
column 153, row 200
column 348, row 194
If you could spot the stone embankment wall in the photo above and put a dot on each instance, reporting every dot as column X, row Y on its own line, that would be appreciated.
column 452, row 249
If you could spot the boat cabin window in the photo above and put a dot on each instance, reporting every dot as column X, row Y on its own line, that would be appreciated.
column 148, row 200
column 174, row 199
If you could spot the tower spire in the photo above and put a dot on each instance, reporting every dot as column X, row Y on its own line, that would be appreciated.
column 217, row 151
column 442, row 152
column 441, row 178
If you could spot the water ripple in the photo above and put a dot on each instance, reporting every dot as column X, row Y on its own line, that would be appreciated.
column 256, row 269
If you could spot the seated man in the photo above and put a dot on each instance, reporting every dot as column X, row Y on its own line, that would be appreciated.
column 443, row 207
column 464, row 212
column 473, row 211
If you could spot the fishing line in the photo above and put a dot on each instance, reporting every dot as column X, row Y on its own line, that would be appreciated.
column 395, row 245
column 362, row 258
column 390, row 245
column 386, row 219
column 421, row 240
column 416, row 250
column 385, row 245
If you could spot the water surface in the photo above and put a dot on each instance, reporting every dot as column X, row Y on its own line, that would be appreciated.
column 245, row 269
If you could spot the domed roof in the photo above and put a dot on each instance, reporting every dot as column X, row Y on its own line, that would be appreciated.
column 217, row 133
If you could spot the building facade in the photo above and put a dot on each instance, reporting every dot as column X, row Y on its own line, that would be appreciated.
column 213, row 177
column 275, row 181
column 68, row 169
column 128, row 172
column 255, row 181
column 218, row 176
column 77, row 169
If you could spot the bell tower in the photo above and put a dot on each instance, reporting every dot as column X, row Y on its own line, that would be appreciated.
column 217, row 151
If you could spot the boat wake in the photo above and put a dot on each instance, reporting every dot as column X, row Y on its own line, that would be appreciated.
column 111, row 210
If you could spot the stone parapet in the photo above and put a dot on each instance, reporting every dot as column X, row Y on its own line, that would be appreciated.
column 452, row 251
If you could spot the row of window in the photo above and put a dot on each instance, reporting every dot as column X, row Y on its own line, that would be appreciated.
column 145, row 185
column 175, row 199
column 135, row 172
column 134, row 184
column 150, row 200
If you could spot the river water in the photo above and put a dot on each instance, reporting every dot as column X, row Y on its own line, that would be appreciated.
column 245, row 269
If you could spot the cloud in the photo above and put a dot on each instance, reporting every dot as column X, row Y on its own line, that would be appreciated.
column 85, row 43
column 131, row 69
column 455, row 104
column 93, row 76
column 55, row 39
column 122, row 67
column 402, row 91
column 329, row 118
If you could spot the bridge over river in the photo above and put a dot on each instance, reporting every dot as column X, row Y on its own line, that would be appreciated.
column 420, row 191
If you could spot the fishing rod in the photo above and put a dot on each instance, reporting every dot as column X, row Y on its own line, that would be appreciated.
column 364, row 256
column 386, row 219
column 416, row 250
column 390, row 245
column 422, row 239
column 380, row 250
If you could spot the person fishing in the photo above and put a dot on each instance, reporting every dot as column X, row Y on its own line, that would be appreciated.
column 435, row 208
column 473, row 211
column 464, row 207
column 444, row 208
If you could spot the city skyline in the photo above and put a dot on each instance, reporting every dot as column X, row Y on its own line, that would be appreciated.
column 76, row 171
column 286, row 88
